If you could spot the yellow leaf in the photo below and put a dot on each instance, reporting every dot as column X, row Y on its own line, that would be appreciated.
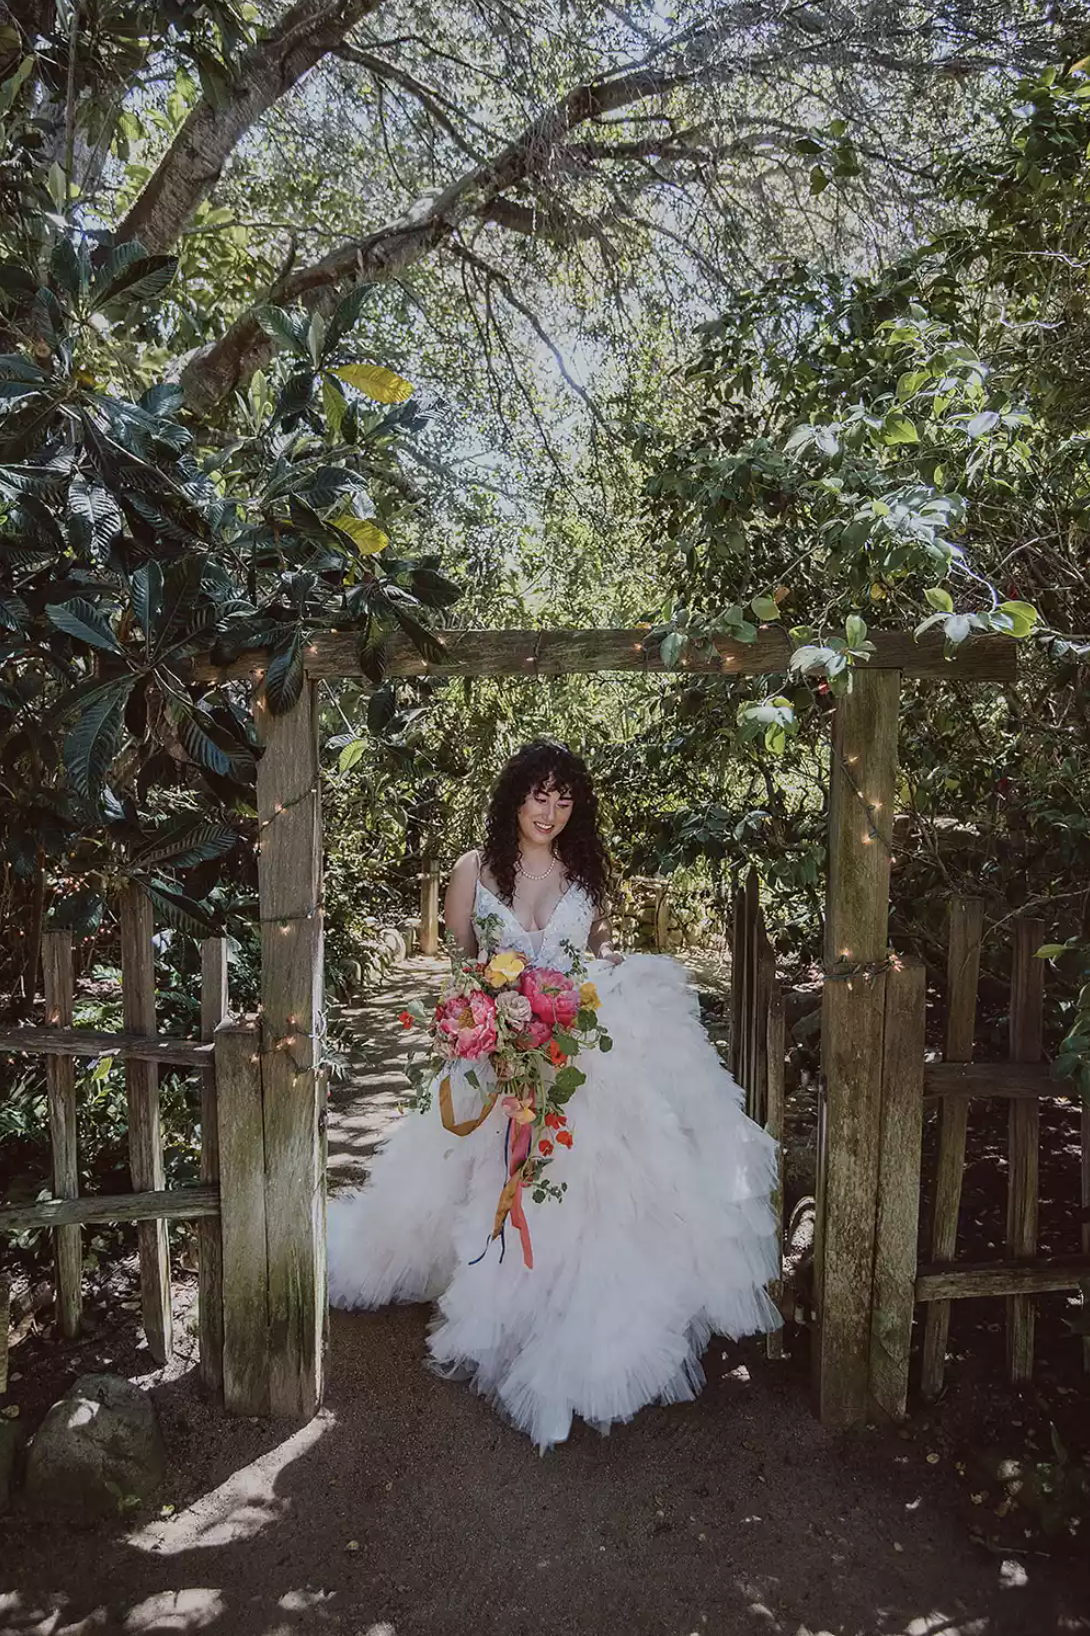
column 375, row 382
column 366, row 536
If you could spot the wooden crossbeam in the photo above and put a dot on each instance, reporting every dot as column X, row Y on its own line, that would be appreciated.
column 88, row 1042
column 1009, row 1081
column 569, row 653
column 1021, row 1278
column 171, row 1204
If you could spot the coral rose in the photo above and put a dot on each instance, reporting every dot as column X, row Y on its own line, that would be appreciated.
column 552, row 996
column 466, row 1025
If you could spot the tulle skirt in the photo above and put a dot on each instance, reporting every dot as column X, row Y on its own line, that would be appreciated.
column 664, row 1236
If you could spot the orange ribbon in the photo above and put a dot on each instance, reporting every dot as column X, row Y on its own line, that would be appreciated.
column 519, row 1169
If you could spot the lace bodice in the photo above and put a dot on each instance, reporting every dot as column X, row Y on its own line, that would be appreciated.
column 570, row 922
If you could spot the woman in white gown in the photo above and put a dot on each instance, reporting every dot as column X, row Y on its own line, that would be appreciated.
column 665, row 1233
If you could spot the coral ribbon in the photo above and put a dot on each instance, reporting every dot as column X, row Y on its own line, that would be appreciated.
column 519, row 1137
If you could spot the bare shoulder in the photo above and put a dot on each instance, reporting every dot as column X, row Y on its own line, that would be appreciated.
column 466, row 867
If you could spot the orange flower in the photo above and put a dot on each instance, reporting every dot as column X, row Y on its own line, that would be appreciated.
column 564, row 1137
column 404, row 1019
column 556, row 1055
column 545, row 1147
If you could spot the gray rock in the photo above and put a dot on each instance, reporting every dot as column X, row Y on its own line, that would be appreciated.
column 9, row 1445
column 96, row 1452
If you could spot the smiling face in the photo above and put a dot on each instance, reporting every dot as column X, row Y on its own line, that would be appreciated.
column 543, row 814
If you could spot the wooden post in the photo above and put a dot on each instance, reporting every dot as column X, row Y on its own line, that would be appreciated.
column 209, row 1235
column 962, row 981
column 429, row 907
column 774, row 1124
column 5, row 1326
column 290, row 889
column 145, row 1133
column 862, row 784
column 901, row 1151
column 1085, row 1145
column 242, row 1219
column 60, row 1073
column 1027, row 1043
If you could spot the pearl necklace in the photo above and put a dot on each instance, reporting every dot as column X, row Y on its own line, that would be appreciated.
column 519, row 865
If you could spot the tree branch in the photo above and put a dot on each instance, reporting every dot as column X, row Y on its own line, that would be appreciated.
column 192, row 165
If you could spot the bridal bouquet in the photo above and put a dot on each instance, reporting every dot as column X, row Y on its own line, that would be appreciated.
column 520, row 1028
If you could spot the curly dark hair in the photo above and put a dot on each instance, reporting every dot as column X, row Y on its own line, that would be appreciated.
column 578, row 846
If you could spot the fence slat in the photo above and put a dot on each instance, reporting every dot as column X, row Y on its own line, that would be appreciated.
column 738, row 900
column 58, row 981
column 774, row 1123
column 1085, row 1145
column 242, row 1219
column 209, row 1235
column 173, row 1204
column 145, row 1133
column 901, row 1148
column 962, row 982
column 1027, row 1044
column 429, row 907
column 5, row 1329
column 862, row 786
column 290, row 886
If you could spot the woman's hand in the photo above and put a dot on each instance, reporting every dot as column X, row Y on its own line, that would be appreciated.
column 612, row 957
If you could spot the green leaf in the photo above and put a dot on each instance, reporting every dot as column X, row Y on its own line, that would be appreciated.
column 188, row 846
column 147, row 596
column 365, row 535
column 433, row 589
column 425, row 641
column 347, row 314
column 1050, row 951
column 209, row 745
column 350, row 754
column 179, row 912
column 982, row 424
column 64, row 267
column 96, row 507
column 766, row 608
column 142, row 279
column 335, row 405
column 381, row 710
column 897, row 428
column 57, row 184
column 285, row 675
column 855, row 629
column 938, row 598
column 80, row 620
column 92, row 742
column 1023, row 615
column 672, row 647
column 79, row 912
column 284, row 328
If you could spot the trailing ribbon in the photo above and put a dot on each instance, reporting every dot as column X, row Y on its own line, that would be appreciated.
column 519, row 1137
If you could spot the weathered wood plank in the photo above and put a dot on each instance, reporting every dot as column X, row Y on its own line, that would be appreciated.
column 1003, row 1081
column 862, row 783
column 1027, row 1045
column 901, row 1149
column 1021, row 1279
column 570, row 653
column 290, row 883
column 171, row 1204
column 775, row 1116
column 736, row 1013
column 145, row 1131
column 209, row 1236
column 1085, row 1198
column 5, row 1330
column 58, row 982
column 429, row 907
column 90, row 1042
column 955, row 1084
column 242, row 1219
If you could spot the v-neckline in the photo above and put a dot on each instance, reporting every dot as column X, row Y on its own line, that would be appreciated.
column 538, row 931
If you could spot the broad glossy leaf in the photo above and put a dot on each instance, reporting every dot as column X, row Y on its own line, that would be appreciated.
column 147, row 596
column 90, row 745
column 433, row 589
column 188, row 846
column 209, row 744
column 96, row 507
column 347, row 314
column 142, row 280
column 381, row 385
column 366, row 536
column 285, row 328
column 181, row 913
column 80, row 620
column 79, row 912
column 285, row 675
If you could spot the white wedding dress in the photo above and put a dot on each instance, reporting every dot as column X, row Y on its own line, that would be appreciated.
column 664, row 1236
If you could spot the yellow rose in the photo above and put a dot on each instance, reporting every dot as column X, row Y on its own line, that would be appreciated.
column 504, row 968
column 588, row 997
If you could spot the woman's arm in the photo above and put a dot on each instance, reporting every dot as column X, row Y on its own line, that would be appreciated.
column 600, row 942
column 458, row 911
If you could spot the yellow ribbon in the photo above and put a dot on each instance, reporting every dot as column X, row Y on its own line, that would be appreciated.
column 446, row 1110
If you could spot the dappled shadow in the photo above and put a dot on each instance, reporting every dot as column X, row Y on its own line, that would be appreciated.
column 407, row 1509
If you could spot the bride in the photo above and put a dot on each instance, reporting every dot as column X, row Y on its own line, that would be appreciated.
column 665, row 1232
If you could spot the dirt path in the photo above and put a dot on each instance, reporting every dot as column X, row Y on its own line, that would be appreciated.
column 407, row 1509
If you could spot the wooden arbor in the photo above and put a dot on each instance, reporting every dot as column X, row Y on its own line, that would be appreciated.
column 287, row 1260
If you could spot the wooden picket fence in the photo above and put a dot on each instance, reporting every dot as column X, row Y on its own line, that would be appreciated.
column 227, row 1204
column 757, row 1039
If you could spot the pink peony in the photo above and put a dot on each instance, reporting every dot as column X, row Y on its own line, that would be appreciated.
column 466, row 1025
column 552, row 996
column 535, row 1035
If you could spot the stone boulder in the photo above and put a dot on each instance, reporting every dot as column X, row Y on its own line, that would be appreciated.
column 97, row 1451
